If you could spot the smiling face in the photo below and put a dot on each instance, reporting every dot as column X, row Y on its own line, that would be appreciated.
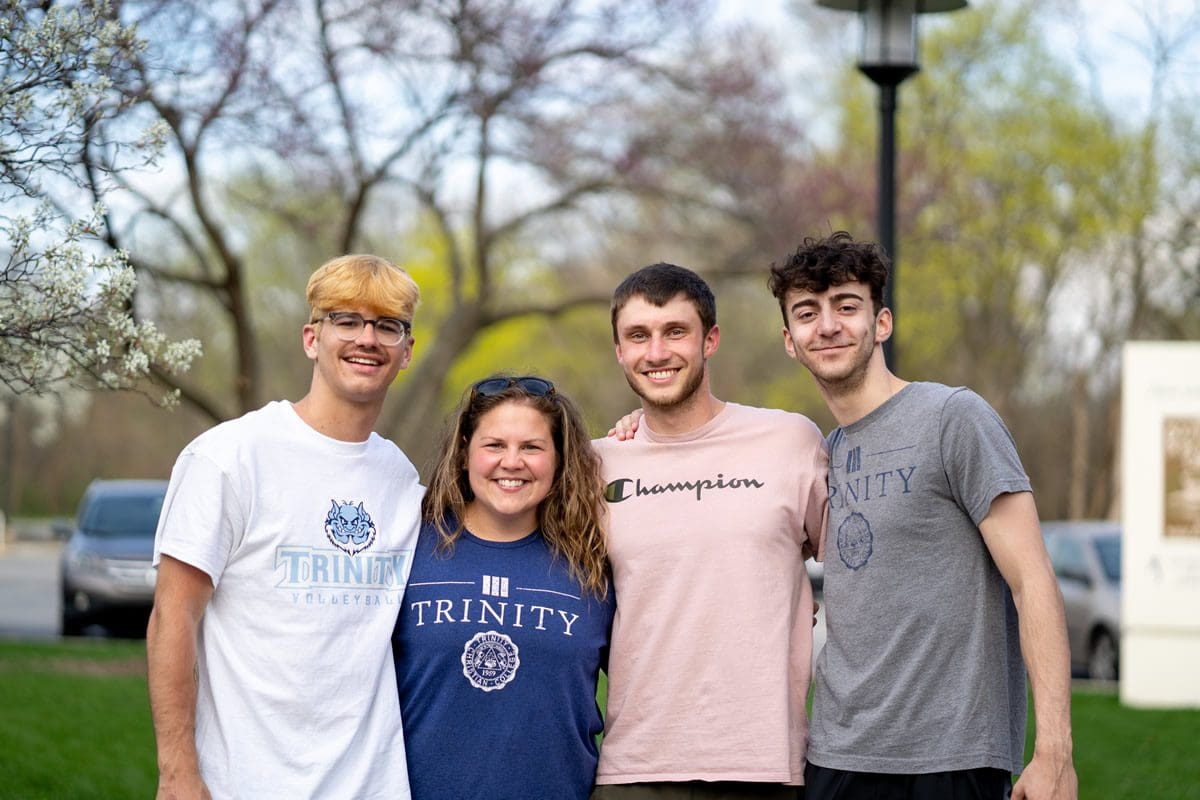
column 357, row 372
column 834, row 334
column 664, row 351
column 511, row 462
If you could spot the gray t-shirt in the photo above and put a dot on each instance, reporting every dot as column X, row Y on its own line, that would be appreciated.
column 921, row 671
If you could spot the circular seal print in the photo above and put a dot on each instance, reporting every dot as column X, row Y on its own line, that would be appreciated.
column 490, row 660
column 855, row 541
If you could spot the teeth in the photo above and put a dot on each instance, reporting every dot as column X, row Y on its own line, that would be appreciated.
column 368, row 361
column 661, row 374
column 510, row 483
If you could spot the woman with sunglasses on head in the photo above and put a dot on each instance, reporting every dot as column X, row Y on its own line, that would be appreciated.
column 505, row 622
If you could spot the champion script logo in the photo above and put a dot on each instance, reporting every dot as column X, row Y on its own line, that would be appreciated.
column 625, row 488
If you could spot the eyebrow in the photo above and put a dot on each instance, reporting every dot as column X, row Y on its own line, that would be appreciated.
column 805, row 302
column 646, row 326
column 535, row 439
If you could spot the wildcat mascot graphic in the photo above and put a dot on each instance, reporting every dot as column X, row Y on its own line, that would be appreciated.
column 349, row 527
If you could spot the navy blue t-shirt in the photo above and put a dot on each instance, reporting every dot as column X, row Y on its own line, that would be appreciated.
column 497, row 652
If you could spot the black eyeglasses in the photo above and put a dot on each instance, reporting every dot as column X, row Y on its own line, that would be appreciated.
column 490, row 387
column 348, row 326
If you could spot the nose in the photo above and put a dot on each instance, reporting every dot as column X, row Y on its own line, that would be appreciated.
column 827, row 322
column 511, row 458
column 367, row 336
column 657, row 349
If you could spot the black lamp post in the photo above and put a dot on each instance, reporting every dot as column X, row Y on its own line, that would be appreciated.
column 889, row 55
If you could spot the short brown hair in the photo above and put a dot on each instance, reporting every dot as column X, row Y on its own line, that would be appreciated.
column 661, row 283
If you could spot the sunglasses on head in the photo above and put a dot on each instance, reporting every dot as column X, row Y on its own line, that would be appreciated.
column 490, row 387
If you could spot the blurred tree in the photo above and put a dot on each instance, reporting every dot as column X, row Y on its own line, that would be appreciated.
column 1014, row 179
column 66, row 305
column 521, row 132
column 1040, row 228
column 1143, row 281
column 519, row 157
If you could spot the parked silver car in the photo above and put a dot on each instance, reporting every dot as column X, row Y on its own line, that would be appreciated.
column 106, row 572
column 1086, row 555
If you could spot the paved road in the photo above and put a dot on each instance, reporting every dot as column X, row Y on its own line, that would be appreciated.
column 29, row 581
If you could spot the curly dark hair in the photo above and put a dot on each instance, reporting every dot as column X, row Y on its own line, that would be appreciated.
column 833, row 260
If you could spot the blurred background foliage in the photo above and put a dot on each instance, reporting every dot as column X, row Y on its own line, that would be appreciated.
column 520, row 157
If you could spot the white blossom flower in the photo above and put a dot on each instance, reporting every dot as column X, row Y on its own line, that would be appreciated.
column 66, row 302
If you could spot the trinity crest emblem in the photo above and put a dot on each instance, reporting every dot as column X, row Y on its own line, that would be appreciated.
column 490, row 660
column 855, row 541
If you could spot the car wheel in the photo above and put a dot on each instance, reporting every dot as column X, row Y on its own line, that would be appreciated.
column 73, row 620
column 72, row 624
column 1103, row 657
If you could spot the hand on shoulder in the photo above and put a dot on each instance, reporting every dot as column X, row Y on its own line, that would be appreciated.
column 626, row 426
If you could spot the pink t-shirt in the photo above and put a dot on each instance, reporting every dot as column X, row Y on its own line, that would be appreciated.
column 712, row 640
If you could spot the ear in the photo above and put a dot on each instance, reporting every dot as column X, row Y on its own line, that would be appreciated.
column 406, row 356
column 308, row 337
column 617, row 348
column 712, row 340
column 883, row 325
column 788, row 344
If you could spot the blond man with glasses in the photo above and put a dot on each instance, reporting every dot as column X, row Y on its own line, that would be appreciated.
column 283, row 549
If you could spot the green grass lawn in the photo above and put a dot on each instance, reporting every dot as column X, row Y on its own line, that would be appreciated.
column 1133, row 753
column 75, row 723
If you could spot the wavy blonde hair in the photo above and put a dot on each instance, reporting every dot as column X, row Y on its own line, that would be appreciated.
column 571, row 517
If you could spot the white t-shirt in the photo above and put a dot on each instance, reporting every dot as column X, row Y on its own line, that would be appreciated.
column 308, row 541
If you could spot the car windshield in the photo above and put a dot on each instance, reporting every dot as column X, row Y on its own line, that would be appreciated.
column 1109, row 550
column 123, row 515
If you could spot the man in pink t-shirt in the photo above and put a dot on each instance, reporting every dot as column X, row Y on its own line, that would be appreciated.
column 713, row 507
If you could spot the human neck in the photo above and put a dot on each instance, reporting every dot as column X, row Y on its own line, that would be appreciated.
column 685, row 417
column 497, row 529
column 850, row 403
column 346, row 422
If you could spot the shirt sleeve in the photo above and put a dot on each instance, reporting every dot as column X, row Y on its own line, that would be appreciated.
column 202, row 519
column 978, row 454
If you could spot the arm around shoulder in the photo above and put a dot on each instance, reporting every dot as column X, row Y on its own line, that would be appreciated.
column 817, row 511
column 1014, row 539
column 180, row 598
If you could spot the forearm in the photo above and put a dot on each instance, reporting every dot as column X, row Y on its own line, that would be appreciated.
column 1014, row 539
column 1043, row 634
column 180, row 600
column 171, row 660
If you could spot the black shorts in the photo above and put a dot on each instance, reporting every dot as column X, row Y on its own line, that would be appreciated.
column 985, row 783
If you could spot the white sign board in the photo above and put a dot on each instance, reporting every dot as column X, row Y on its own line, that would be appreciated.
column 1160, row 490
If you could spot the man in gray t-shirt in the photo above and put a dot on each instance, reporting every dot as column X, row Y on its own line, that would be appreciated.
column 938, row 590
